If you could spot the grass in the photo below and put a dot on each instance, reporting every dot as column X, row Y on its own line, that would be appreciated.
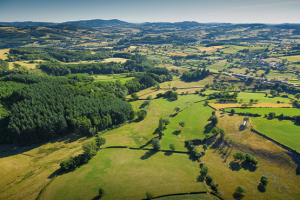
column 256, row 105
column 274, row 162
column 112, row 78
column 287, row 134
column 191, row 98
column 216, row 67
column 292, row 58
column 128, row 174
column 196, row 126
column 137, row 134
column 261, row 97
column 261, row 121
column 294, row 81
column 188, row 197
column 262, row 111
column 4, row 53
column 122, row 60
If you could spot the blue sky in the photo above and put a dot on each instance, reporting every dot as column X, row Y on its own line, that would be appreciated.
column 234, row 11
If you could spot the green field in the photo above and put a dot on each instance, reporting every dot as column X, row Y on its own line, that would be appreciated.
column 112, row 78
column 188, row 197
column 216, row 67
column 262, row 111
column 261, row 121
column 136, row 134
column 191, row 98
column 128, row 174
column 295, row 81
column 292, row 58
column 261, row 97
column 287, row 134
column 196, row 126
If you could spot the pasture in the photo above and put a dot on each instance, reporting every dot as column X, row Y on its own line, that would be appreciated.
column 140, row 133
column 287, row 133
column 256, row 105
column 191, row 98
column 122, row 60
column 245, row 96
column 196, row 126
column 112, row 78
column 292, row 58
column 262, row 111
column 275, row 162
column 128, row 174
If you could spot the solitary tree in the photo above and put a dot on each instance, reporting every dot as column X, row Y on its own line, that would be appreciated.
column 156, row 143
column 182, row 124
column 246, row 118
column 172, row 147
column 232, row 111
column 157, row 86
column 264, row 181
column 177, row 109
column 100, row 141
column 174, row 89
column 169, row 85
column 251, row 100
column 240, row 192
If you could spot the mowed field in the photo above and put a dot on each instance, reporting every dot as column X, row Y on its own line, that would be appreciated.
column 285, row 133
column 196, row 126
column 262, row 111
column 3, row 53
column 112, row 78
column 128, row 174
column 279, row 165
column 256, row 105
column 122, row 60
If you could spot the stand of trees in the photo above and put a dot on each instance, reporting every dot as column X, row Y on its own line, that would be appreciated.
column 198, row 74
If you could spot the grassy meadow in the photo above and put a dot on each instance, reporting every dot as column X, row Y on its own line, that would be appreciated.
column 196, row 126
column 262, row 111
column 128, row 174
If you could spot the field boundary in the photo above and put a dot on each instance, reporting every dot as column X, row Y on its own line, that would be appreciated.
column 177, row 194
column 275, row 141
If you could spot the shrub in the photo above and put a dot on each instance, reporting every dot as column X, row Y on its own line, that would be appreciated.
column 101, row 192
column 149, row 97
column 159, row 95
column 264, row 180
column 156, row 143
column 240, row 191
column 239, row 156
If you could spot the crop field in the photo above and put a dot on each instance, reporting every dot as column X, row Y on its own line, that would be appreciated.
column 287, row 134
column 128, row 174
column 196, row 126
column 262, row 111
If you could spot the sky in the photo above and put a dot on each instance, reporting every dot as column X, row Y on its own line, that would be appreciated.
column 203, row 11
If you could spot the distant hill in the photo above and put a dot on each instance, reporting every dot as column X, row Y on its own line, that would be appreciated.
column 98, row 23
column 28, row 23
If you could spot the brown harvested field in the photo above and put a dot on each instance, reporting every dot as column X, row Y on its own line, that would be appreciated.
column 257, row 105
column 279, row 165
column 3, row 56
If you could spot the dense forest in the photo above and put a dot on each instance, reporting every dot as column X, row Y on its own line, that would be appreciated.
column 195, row 75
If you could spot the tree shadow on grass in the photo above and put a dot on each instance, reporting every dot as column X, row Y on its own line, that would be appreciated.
column 192, row 157
column 247, row 166
column 148, row 154
column 261, row 188
column 208, row 128
column 168, row 153
column 235, row 166
column 237, row 196
column 176, row 132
